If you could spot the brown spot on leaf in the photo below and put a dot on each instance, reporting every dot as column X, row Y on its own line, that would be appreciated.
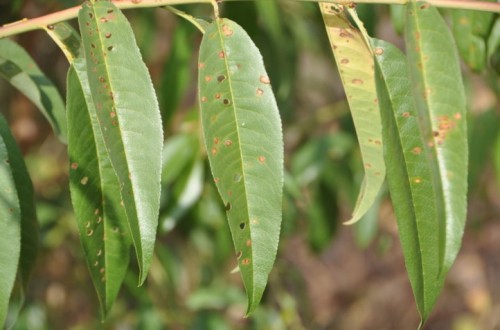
column 262, row 159
column 228, row 143
column 379, row 51
column 357, row 81
column 259, row 92
column 417, row 150
column 214, row 151
column 204, row 99
column 74, row 166
column 344, row 61
column 245, row 261
column 221, row 54
column 264, row 80
column 226, row 30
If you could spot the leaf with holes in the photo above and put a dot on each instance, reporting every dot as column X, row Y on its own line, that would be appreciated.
column 17, row 66
column 355, row 63
column 128, row 116
column 242, row 131
column 18, row 225
column 95, row 192
column 441, row 106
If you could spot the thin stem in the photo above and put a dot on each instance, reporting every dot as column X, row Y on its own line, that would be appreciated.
column 41, row 22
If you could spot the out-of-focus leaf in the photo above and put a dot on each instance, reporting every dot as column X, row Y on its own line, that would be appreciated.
column 242, row 133
column 493, row 46
column 321, row 216
column 398, row 14
column 366, row 229
column 470, row 29
column 18, row 225
column 355, row 63
column 178, row 153
column 186, row 192
column 95, row 192
column 17, row 66
column 128, row 116
column 485, row 128
column 309, row 161
column 176, row 72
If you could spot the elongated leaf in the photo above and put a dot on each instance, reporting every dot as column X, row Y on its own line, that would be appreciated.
column 409, row 164
column 22, row 72
column 242, row 131
column 355, row 63
column 18, row 225
column 95, row 192
column 95, row 189
column 128, row 116
column 440, row 101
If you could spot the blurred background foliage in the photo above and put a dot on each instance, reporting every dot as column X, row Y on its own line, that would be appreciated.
column 327, row 276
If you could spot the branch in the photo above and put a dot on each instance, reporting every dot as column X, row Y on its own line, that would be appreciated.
column 41, row 22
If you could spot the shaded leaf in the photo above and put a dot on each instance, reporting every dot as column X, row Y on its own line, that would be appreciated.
column 67, row 38
column 128, row 116
column 17, row 66
column 470, row 29
column 355, row 63
column 95, row 192
column 18, row 224
column 242, row 131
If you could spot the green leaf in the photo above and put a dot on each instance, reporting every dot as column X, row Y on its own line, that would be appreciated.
column 409, row 175
column 22, row 72
column 440, row 98
column 18, row 225
column 242, row 131
column 176, row 72
column 355, row 63
column 470, row 29
column 95, row 192
column 128, row 116
column 67, row 38
column 398, row 13
column 493, row 46
column 440, row 192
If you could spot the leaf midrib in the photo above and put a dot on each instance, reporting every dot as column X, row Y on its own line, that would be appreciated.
column 243, row 174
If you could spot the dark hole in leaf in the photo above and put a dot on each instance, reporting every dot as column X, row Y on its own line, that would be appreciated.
column 226, row 102
column 242, row 225
column 228, row 206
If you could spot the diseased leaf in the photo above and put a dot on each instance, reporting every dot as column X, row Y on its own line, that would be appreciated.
column 17, row 66
column 409, row 175
column 242, row 131
column 67, row 38
column 355, row 63
column 95, row 192
column 18, row 225
column 128, row 116
column 440, row 102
